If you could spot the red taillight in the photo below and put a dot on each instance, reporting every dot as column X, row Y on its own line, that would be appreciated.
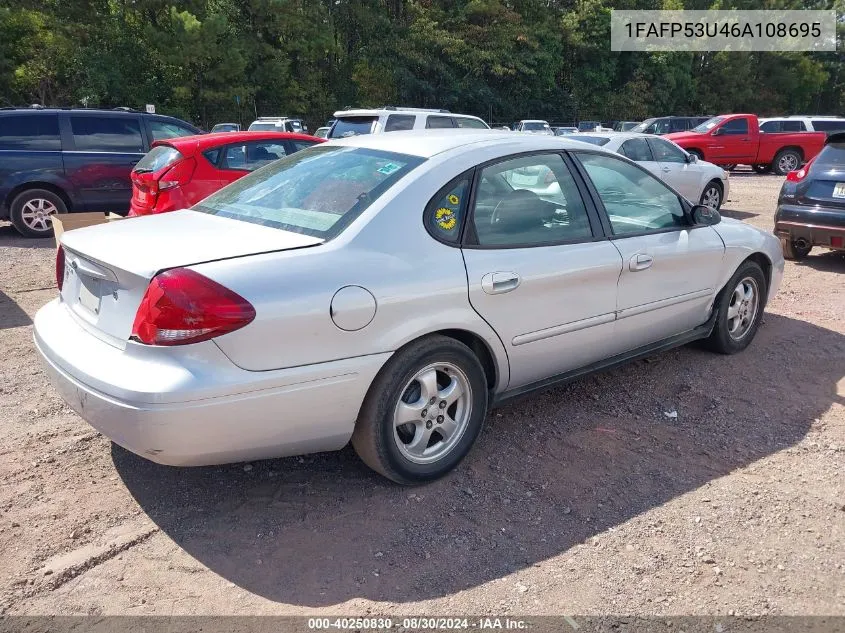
column 181, row 306
column 60, row 267
column 178, row 175
column 799, row 174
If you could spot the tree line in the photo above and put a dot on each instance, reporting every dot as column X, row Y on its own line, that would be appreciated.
column 208, row 61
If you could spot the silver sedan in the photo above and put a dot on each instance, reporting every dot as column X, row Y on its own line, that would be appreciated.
column 388, row 290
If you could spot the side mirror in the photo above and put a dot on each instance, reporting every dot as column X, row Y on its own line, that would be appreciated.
column 718, row 132
column 692, row 158
column 704, row 215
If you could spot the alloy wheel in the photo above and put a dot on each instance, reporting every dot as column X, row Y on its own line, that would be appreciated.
column 711, row 197
column 433, row 412
column 788, row 162
column 36, row 214
column 743, row 307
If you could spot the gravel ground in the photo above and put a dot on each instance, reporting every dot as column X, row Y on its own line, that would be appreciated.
column 584, row 499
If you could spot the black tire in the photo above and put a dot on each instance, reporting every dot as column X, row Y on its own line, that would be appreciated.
column 23, row 204
column 786, row 160
column 729, row 166
column 713, row 190
column 376, row 439
column 762, row 169
column 791, row 250
column 721, row 340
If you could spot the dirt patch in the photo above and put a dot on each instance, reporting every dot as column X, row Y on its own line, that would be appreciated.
column 585, row 499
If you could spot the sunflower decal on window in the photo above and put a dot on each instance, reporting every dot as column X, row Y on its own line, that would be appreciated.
column 453, row 199
column 445, row 218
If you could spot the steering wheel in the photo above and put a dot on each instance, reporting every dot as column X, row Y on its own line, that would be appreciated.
column 516, row 197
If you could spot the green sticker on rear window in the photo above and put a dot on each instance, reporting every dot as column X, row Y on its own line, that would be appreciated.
column 389, row 168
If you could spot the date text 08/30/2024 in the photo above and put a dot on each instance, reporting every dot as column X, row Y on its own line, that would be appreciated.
column 414, row 624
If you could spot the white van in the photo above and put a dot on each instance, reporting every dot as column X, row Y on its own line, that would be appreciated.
column 393, row 119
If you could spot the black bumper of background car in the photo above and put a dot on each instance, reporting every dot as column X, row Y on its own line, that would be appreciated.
column 818, row 226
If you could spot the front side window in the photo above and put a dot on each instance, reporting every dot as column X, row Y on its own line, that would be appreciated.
column 735, row 127
column 636, row 149
column 445, row 212
column 166, row 129
column 635, row 201
column 666, row 152
column 251, row 156
column 107, row 134
column 35, row 132
column 400, row 122
column 469, row 122
column 437, row 122
column 529, row 201
column 317, row 191
column 352, row 126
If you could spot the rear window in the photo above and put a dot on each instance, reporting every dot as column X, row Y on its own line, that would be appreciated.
column 832, row 155
column 594, row 140
column 157, row 158
column 535, row 126
column 107, row 134
column 317, row 192
column 30, row 132
column 265, row 127
column 352, row 126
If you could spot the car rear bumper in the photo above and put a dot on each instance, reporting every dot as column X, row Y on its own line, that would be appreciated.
column 193, row 407
column 818, row 226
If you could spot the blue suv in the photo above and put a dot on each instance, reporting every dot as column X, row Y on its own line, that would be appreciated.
column 75, row 159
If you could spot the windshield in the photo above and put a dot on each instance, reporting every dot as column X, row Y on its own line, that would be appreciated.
column 317, row 191
column 594, row 140
column 535, row 126
column 352, row 126
column 832, row 156
column 708, row 125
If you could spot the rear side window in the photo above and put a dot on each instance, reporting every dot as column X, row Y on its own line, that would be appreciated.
column 770, row 127
column 475, row 124
column 821, row 125
column 793, row 126
column 251, row 156
column 158, row 158
column 445, row 213
column 352, row 126
column 316, row 192
column 30, row 132
column 107, row 134
column 636, row 149
column 212, row 155
column 399, row 122
column 437, row 122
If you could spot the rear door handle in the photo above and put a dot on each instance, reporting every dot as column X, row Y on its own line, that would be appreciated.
column 498, row 283
column 640, row 261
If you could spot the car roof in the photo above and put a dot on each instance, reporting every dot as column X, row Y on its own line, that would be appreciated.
column 616, row 135
column 397, row 110
column 428, row 143
column 533, row 121
column 204, row 141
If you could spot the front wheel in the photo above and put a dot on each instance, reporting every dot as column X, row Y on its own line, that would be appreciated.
column 423, row 412
column 712, row 195
column 787, row 160
column 740, row 308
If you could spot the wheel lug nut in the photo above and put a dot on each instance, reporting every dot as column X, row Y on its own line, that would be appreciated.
column 442, row 404
column 432, row 401
column 439, row 419
column 428, row 424
column 425, row 413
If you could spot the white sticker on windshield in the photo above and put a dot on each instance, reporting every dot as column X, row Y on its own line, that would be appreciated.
column 389, row 168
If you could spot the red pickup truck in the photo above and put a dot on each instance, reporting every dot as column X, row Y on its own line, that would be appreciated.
column 735, row 139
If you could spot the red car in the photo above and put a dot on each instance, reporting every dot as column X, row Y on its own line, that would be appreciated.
column 179, row 172
column 731, row 139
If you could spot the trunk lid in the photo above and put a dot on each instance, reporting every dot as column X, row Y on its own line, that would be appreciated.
column 109, row 266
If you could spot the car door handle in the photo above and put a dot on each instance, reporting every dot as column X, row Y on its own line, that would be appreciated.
column 666, row 170
column 498, row 283
column 640, row 261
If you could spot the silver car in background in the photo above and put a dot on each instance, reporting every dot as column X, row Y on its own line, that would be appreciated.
column 697, row 180
column 388, row 289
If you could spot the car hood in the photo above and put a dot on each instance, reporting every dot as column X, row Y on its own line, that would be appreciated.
column 683, row 136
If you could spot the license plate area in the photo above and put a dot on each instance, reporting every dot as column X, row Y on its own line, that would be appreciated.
column 89, row 294
column 839, row 190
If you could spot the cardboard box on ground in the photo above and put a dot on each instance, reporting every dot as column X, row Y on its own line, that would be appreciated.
column 68, row 221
